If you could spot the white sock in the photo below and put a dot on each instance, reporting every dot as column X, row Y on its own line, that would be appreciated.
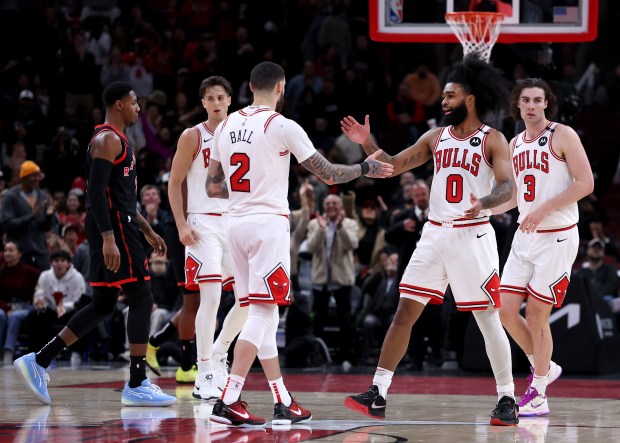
column 204, row 366
column 280, row 393
column 233, row 388
column 540, row 383
column 506, row 390
column 383, row 380
column 531, row 359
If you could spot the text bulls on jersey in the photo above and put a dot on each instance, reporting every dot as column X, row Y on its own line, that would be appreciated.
column 457, row 158
column 531, row 159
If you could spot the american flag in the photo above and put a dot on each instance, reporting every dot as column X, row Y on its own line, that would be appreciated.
column 565, row 14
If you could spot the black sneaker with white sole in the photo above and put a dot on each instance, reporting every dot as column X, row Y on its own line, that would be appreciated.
column 369, row 403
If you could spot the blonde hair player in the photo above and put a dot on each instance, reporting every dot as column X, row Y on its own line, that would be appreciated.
column 206, row 260
column 552, row 173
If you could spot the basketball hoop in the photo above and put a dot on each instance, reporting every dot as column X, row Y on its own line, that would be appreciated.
column 477, row 31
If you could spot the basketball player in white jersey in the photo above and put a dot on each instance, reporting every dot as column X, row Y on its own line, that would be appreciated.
column 457, row 245
column 208, row 264
column 552, row 173
column 250, row 166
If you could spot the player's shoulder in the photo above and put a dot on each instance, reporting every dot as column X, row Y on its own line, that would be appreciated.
column 563, row 130
column 495, row 136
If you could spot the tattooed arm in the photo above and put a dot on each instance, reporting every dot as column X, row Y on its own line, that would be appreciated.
column 332, row 174
column 410, row 158
column 216, row 180
column 499, row 156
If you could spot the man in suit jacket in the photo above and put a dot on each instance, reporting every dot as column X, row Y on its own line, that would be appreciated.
column 332, row 238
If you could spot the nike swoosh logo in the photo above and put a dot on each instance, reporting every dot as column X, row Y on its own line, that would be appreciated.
column 560, row 241
column 518, row 145
column 376, row 406
column 204, row 141
column 244, row 415
column 296, row 412
column 481, row 235
column 444, row 139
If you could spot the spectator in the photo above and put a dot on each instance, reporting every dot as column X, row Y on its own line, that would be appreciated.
column 406, row 113
column 165, row 291
column 74, row 214
column 332, row 238
column 380, row 299
column 603, row 277
column 150, row 201
column 63, row 155
column 115, row 70
column 17, row 284
column 299, row 225
column 56, row 299
column 80, row 74
column 27, row 213
column 371, row 238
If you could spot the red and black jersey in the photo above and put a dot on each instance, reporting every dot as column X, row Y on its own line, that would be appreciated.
column 122, row 189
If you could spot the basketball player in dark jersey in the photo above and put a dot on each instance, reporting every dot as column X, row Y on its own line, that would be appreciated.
column 117, row 259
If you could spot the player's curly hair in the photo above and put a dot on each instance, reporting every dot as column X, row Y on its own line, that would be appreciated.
column 552, row 101
column 483, row 81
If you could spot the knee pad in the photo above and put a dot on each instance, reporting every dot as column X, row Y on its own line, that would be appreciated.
column 104, row 300
column 269, row 347
column 260, row 319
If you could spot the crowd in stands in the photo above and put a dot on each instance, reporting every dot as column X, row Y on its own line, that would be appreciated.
column 345, row 276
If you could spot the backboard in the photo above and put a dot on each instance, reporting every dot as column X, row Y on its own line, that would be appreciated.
column 525, row 21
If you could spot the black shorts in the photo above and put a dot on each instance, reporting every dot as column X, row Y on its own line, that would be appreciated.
column 134, row 263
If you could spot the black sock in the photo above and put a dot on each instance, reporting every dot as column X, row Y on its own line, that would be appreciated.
column 137, row 370
column 163, row 334
column 49, row 351
column 187, row 354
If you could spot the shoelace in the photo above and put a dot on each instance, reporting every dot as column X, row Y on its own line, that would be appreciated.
column 156, row 389
column 529, row 395
column 502, row 407
column 46, row 377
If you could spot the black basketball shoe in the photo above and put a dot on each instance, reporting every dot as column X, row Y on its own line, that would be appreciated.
column 286, row 415
column 506, row 413
column 369, row 403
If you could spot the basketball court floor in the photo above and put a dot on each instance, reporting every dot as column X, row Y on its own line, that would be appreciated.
column 436, row 408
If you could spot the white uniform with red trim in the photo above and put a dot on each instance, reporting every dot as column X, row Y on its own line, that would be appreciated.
column 454, row 250
column 254, row 146
column 540, row 264
column 209, row 259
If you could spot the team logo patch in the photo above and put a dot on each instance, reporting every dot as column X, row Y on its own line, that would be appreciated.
column 475, row 141
column 542, row 141
column 491, row 289
column 278, row 284
column 192, row 268
column 559, row 288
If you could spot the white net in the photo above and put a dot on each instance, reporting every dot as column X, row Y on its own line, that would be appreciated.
column 477, row 31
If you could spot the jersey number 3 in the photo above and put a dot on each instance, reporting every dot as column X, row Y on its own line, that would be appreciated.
column 530, row 188
column 237, row 182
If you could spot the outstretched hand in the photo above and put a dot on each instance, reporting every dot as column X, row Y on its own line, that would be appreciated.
column 475, row 208
column 356, row 132
column 378, row 169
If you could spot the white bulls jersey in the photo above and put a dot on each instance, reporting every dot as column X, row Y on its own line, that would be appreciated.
column 197, row 200
column 461, row 168
column 541, row 174
column 254, row 146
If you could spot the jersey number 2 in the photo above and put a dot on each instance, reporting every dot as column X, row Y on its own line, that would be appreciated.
column 237, row 182
column 530, row 188
column 454, row 188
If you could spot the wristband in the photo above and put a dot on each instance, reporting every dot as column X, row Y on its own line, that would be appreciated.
column 365, row 167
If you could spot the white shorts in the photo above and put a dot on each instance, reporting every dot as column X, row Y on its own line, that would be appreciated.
column 209, row 259
column 464, row 257
column 539, row 264
column 260, row 249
